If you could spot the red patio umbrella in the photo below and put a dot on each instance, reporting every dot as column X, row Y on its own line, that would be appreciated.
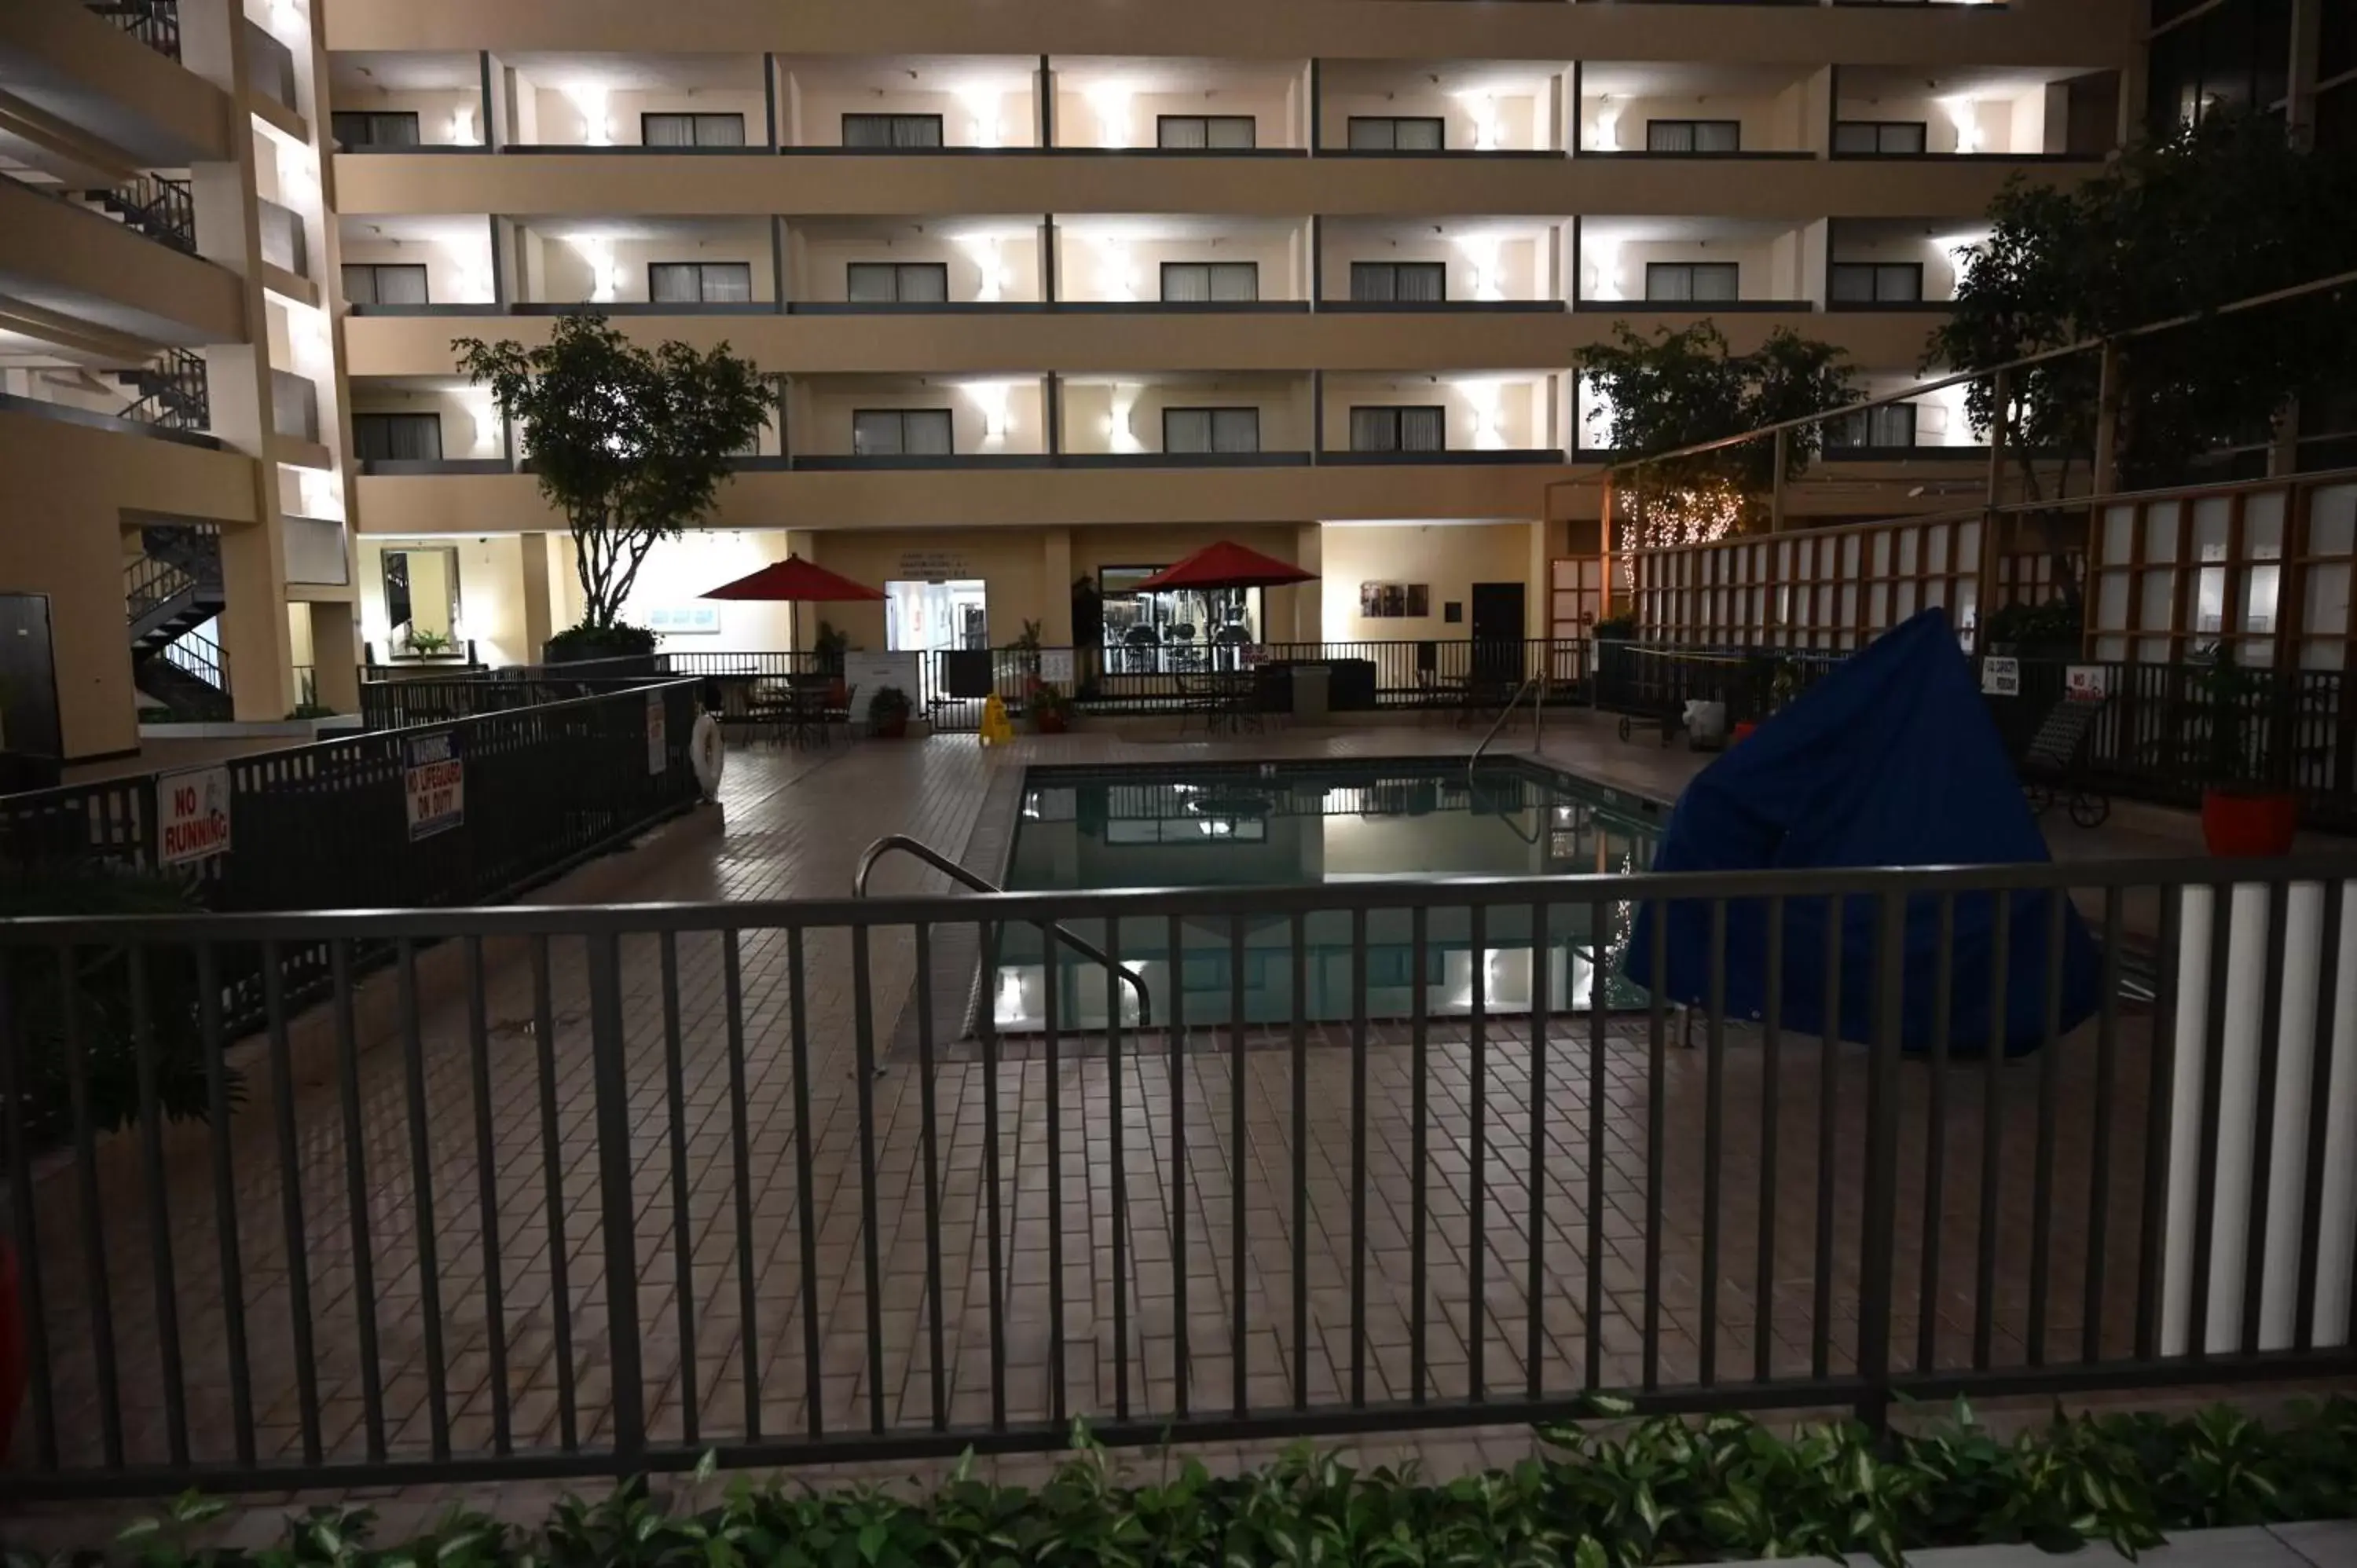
column 795, row 581
column 1226, row 565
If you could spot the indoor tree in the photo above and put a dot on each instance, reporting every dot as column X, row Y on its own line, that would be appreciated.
column 1682, row 388
column 632, row 444
column 2226, row 209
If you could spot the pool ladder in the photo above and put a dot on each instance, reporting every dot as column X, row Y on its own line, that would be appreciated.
column 904, row 845
column 1534, row 683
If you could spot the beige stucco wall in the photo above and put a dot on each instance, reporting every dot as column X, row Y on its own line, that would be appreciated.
column 1283, row 402
column 1521, row 118
column 1772, row 121
column 557, row 271
column 818, row 266
column 441, row 115
column 71, row 492
column 556, row 117
column 1087, row 267
column 1521, row 271
column 818, row 100
column 1523, row 408
column 1448, row 558
column 1100, row 120
column 821, row 415
column 450, row 279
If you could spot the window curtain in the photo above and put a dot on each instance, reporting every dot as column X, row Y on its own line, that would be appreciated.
column 1424, row 282
column 1235, row 430
column 1371, row 136
column 1186, row 282
column 359, row 284
column 1417, row 136
column 925, row 431
column 1421, row 430
column 400, row 285
column 398, row 438
column 1374, row 430
column 916, row 130
column 870, row 283
column 1669, row 135
column 1184, row 130
column 719, row 130
column 1715, row 280
column 876, row 432
column 1234, row 281
column 1667, row 281
column 674, row 283
column 668, row 130
column 1232, row 131
column 1718, row 136
column 1186, row 430
column 1375, row 282
column 728, row 283
column 924, row 283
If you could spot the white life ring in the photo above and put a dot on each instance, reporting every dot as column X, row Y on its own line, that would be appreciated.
column 707, row 755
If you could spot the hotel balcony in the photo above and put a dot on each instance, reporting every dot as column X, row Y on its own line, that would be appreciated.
column 865, row 266
column 421, row 102
column 1694, row 267
column 1458, row 419
column 1932, row 428
column 1946, row 112
column 905, row 105
column 415, row 427
column 421, row 264
column 1198, row 108
column 1384, row 109
column 865, row 421
column 651, row 266
column 1199, row 265
column 1897, row 263
column 1221, row 420
column 1417, row 266
column 1636, row 109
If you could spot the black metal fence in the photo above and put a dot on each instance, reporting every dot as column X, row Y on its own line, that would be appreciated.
column 460, row 813
column 954, row 685
column 589, row 1191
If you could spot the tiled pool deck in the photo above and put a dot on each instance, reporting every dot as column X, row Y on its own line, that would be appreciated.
column 795, row 822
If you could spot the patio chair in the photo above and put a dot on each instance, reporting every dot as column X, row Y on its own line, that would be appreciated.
column 2054, row 762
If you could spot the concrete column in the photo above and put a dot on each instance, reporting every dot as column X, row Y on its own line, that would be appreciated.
column 1538, row 601
column 1820, row 106
column 1817, row 263
column 1043, row 98
column 1309, row 598
column 770, row 106
column 1314, row 104
column 1056, row 587
column 498, row 102
column 1049, row 290
column 336, row 653
column 539, row 622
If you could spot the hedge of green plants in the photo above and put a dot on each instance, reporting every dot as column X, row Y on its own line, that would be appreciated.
column 1661, row 1491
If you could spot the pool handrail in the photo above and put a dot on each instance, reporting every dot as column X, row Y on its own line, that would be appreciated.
column 1532, row 683
column 956, row 873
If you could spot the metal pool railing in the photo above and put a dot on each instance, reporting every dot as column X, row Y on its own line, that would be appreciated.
column 580, row 1191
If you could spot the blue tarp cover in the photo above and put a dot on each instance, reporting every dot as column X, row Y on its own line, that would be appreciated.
column 1890, row 761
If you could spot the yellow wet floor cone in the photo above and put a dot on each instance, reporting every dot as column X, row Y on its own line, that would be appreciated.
column 995, row 729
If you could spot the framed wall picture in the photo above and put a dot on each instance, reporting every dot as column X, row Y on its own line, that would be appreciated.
column 1394, row 601
column 1453, row 612
column 1371, row 599
column 1419, row 601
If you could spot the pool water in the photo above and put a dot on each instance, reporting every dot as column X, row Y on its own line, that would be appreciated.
column 1310, row 824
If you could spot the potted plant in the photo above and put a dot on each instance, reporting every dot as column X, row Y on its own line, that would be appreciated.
column 1024, row 652
column 829, row 645
column 427, row 644
column 1051, row 710
column 887, row 714
column 2247, row 806
column 1772, row 694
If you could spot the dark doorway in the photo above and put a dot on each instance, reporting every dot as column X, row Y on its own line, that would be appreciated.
column 1496, row 628
column 28, row 678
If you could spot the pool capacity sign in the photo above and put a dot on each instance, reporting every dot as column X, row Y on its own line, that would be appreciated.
column 191, row 816
column 435, row 779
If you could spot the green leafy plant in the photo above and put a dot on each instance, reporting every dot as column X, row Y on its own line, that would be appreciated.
column 1682, row 388
column 1617, row 628
column 889, row 705
column 632, row 444
column 831, row 644
column 1049, row 705
column 427, row 644
column 2066, row 265
column 1607, row 1492
column 2243, row 723
column 577, row 644
column 2046, row 625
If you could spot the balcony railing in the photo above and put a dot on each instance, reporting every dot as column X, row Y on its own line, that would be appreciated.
column 156, row 23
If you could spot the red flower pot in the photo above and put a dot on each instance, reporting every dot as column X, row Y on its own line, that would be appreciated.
column 2242, row 824
column 1742, row 728
column 1051, row 723
column 889, row 729
column 11, row 1346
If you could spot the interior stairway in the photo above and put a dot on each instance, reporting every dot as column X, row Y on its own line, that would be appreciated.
column 173, row 391
column 170, row 590
column 156, row 205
